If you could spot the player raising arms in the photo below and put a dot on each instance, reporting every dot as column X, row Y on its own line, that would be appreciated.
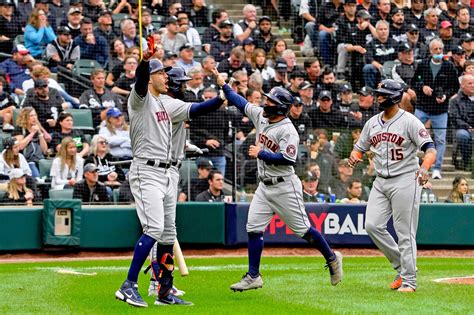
column 279, row 190
column 152, row 116
column 394, row 136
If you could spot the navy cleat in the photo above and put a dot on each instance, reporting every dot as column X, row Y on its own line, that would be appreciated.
column 128, row 293
column 171, row 299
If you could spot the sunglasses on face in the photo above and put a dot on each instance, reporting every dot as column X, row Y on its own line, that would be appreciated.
column 103, row 142
column 414, row 33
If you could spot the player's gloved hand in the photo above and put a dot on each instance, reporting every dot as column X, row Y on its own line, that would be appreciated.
column 222, row 95
column 354, row 158
column 422, row 176
column 193, row 149
column 152, row 47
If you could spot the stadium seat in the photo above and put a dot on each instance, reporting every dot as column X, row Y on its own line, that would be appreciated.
column 85, row 67
column 16, row 112
column 199, row 55
column 3, row 135
column 19, row 39
column 115, row 195
column 388, row 67
column 60, row 193
column 200, row 30
column 82, row 119
column 118, row 17
column 45, row 167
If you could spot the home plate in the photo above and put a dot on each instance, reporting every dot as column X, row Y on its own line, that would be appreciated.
column 456, row 280
column 73, row 272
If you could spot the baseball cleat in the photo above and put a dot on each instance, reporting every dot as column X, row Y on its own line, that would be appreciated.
column 128, row 293
column 405, row 288
column 153, row 289
column 397, row 283
column 335, row 268
column 171, row 299
column 247, row 283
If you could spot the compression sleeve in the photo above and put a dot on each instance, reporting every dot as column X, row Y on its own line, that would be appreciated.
column 142, row 78
column 274, row 158
column 427, row 146
column 234, row 98
column 198, row 109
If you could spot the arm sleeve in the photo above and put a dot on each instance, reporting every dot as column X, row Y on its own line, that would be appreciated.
column 274, row 158
column 234, row 98
column 455, row 115
column 198, row 109
column 142, row 78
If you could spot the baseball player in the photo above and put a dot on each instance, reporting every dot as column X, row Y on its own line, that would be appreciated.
column 394, row 136
column 151, row 180
column 279, row 190
column 176, row 80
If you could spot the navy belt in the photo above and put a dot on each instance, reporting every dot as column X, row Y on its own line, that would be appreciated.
column 272, row 181
column 164, row 165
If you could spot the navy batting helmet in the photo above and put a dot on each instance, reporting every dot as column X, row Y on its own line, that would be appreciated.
column 392, row 91
column 176, row 77
column 282, row 99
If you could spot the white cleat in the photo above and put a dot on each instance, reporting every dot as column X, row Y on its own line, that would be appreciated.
column 247, row 283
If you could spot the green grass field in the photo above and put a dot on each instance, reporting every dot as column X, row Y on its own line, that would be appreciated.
column 297, row 285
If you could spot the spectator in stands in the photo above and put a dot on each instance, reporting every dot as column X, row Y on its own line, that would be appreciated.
column 241, row 82
column 212, row 33
column 446, row 35
column 430, row 30
column 32, row 137
column 458, row 59
column 186, row 58
column 467, row 43
column 99, row 98
column 259, row 64
column 309, row 11
column 328, row 13
column 130, row 36
column 214, row 193
column 105, row 27
column 147, row 23
column 381, row 49
column 254, row 97
column 354, row 192
column 405, row 71
column 194, row 87
column 436, row 81
column 222, row 46
column 199, row 13
column 289, row 56
column 366, row 105
column 383, row 11
column 38, row 33
column 197, row 185
column 92, row 47
column 117, row 133
column 117, row 57
column 172, row 40
column 339, row 184
column 7, row 104
column 208, row 63
column 300, row 120
column 328, row 81
column 62, row 51
column 312, row 67
column 44, row 6
column 187, row 30
column 325, row 116
column 415, row 14
column 66, row 129
column 421, row 50
column 397, row 28
column 459, row 189
column 47, row 102
column 279, row 46
column 245, row 28
column 256, row 82
column 249, row 47
column 449, row 14
column 67, row 167
column 92, row 9
column 281, row 75
column 345, row 143
column 109, row 174
column 369, row 6
column 348, row 107
column 16, row 68
column 306, row 91
column 265, row 38
column 11, row 158
column 123, row 86
column 463, row 25
column 296, row 78
column 462, row 114
column 17, row 192
column 10, row 25
column 235, row 62
column 90, row 189
column 174, row 7
column 310, row 183
column 74, row 18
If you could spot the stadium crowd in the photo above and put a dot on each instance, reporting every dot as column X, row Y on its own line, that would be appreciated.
column 64, row 58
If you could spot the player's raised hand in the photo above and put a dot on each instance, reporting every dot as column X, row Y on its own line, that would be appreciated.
column 254, row 150
column 422, row 176
column 220, row 78
column 355, row 158
column 152, row 47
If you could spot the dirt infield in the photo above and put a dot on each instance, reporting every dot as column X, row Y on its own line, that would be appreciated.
column 269, row 251
column 461, row 280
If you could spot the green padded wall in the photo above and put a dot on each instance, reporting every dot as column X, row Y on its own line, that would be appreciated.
column 21, row 228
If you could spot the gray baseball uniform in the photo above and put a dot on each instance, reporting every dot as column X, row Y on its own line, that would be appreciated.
column 283, row 195
column 395, row 191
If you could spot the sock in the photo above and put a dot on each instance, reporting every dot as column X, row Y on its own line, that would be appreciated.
column 255, row 253
column 319, row 242
column 142, row 249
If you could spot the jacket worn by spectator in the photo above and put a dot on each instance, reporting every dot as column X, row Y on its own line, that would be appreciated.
column 207, row 196
column 68, row 54
column 46, row 109
column 381, row 52
column 220, row 50
column 461, row 111
column 76, row 135
column 214, row 126
column 105, row 168
column 60, row 177
column 16, row 73
column 333, row 119
column 37, row 39
column 98, row 52
column 98, row 102
column 328, row 14
column 119, row 142
column 98, row 193
column 198, row 18
column 10, row 29
column 446, row 82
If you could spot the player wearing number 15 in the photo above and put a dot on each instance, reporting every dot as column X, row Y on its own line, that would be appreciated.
column 394, row 136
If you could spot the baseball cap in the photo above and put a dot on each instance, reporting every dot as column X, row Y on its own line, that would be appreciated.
column 155, row 65
column 8, row 143
column 171, row 20
column 309, row 176
column 412, row 28
column 40, row 83
column 445, row 24
column 281, row 65
column 114, row 112
column 325, row 95
column 42, row 1
column 264, row 18
column 248, row 41
column 363, row 14
column 350, row 2
column 63, row 30
column 457, row 50
column 20, row 49
column 346, row 87
column 106, row 12
column 187, row 46
column 225, row 23
column 395, row 10
column 404, row 47
column 365, row 91
column 466, row 37
column 204, row 163
column 74, row 11
column 170, row 54
column 305, row 85
column 7, row 3
column 297, row 101
column 16, row 173
column 90, row 167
